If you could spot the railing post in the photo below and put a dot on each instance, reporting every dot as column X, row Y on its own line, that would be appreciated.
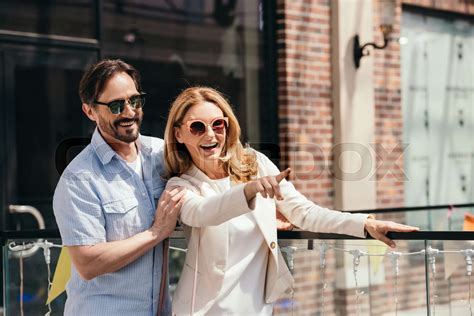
column 427, row 281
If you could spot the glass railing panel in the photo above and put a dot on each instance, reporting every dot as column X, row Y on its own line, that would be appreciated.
column 450, row 277
column 30, row 265
column 302, row 257
column 25, row 273
column 397, row 283
column 354, row 277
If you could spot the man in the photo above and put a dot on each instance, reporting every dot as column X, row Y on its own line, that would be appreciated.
column 106, row 205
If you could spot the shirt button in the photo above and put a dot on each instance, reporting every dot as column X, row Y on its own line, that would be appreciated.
column 143, row 194
column 272, row 245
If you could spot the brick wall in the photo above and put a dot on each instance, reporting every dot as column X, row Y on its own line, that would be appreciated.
column 388, row 115
column 305, row 107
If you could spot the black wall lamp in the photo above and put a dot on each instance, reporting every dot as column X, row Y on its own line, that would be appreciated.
column 387, row 12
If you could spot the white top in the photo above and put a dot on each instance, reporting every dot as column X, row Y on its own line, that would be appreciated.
column 244, row 278
column 136, row 166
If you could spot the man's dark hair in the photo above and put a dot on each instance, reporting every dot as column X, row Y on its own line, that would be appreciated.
column 96, row 77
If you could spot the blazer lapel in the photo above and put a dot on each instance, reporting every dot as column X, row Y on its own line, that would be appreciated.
column 265, row 216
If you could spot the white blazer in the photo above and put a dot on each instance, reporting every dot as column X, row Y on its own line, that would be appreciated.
column 204, row 215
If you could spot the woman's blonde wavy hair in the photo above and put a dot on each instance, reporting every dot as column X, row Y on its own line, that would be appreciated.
column 239, row 163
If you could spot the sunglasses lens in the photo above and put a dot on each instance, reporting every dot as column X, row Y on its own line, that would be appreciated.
column 219, row 125
column 137, row 101
column 116, row 107
column 197, row 128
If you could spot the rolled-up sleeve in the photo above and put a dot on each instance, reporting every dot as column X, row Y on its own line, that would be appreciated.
column 78, row 211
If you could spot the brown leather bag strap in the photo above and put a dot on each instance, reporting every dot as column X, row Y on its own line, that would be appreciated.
column 193, row 297
column 164, row 277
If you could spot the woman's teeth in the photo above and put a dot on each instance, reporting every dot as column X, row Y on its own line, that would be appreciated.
column 209, row 146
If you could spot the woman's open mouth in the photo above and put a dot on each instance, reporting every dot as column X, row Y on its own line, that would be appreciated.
column 209, row 147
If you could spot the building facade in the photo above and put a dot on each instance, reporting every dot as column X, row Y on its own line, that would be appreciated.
column 316, row 79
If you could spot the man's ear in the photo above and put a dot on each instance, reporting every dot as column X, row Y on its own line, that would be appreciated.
column 177, row 135
column 89, row 111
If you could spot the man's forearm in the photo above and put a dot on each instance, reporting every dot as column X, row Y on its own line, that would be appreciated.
column 107, row 257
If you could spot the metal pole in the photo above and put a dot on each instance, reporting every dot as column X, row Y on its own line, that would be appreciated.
column 427, row 281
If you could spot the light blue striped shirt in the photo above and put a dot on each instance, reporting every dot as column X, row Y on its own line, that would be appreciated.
column 99, row 198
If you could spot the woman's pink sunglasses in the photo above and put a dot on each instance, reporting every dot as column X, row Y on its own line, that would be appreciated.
column 199, row 127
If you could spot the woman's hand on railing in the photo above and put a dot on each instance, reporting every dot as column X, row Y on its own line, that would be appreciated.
column 378, row 229
column 282, row 222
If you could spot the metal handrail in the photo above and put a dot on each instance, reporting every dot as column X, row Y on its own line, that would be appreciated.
column 420, row 235
column 412, row 208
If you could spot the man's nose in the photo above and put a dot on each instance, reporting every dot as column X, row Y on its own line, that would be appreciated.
column 128, row 111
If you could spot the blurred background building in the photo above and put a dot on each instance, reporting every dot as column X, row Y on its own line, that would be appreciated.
column 395, row 131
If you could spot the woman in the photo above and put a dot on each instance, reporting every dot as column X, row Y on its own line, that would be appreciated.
column 233, row 264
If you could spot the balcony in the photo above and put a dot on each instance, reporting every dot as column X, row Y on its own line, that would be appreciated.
column 429, row 273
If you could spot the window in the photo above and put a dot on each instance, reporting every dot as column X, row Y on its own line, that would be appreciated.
column 72, row 18
column 437, row 98
column 176, row 44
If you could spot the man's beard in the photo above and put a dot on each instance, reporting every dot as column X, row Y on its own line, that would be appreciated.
column 111, row 128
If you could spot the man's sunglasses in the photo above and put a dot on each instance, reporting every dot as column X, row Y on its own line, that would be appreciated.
column 117, row 106
column 199, row 128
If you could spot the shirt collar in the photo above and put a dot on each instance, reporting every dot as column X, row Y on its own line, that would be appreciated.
column 106, row 153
